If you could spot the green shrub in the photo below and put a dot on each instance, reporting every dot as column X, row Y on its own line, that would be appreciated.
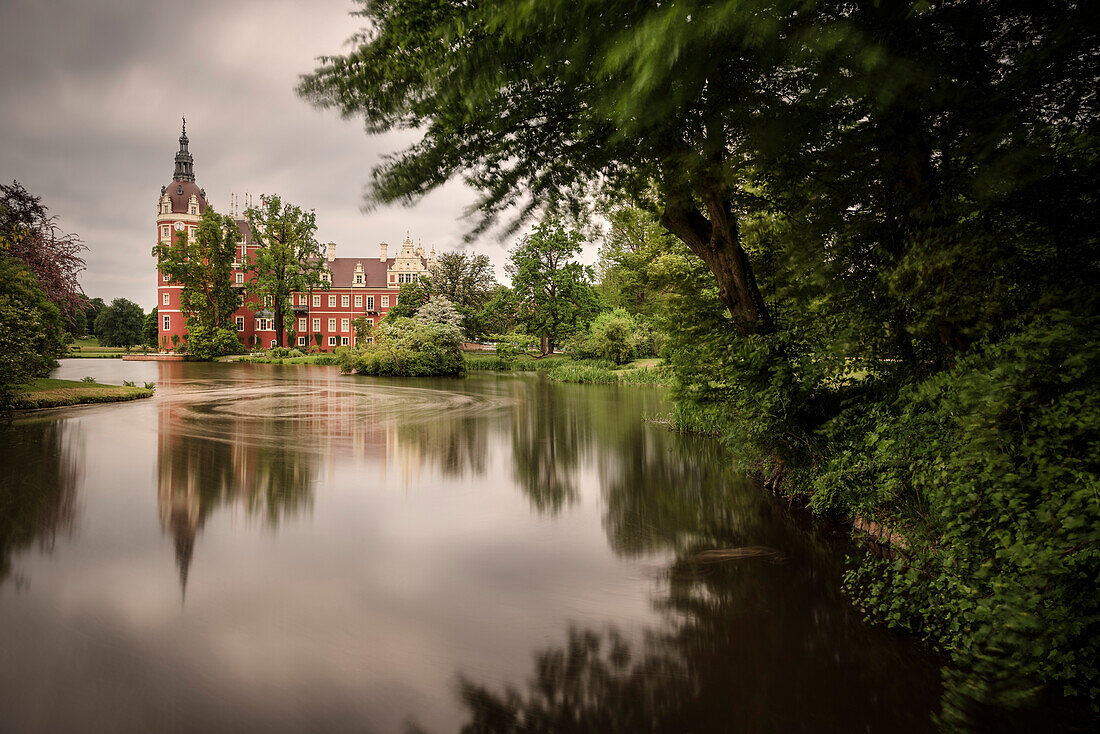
column 87, row 378
column 513, row 345
column 405, row 347
column 992, row 468
column 283, row 352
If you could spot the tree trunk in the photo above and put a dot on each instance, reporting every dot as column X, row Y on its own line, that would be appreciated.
column 278, row 326
column 715, row 239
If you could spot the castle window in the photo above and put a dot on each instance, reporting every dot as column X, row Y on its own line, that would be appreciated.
column 359, row 280
column 332, row 324
column 385, row 301
column 343, row 324
column 301, row 324
column 167, row 323
column 164, row 299
column 240, row 278
column 165, row 278
column 165, row 231
column 316, row 301
column 370, row 303
column 193, row 209
column 332, row 301
column 316, row 325
column 358, row 301
column 301, row 341
column 240, row 323
column 344, row 301
column 332, row 341
column 344, row 341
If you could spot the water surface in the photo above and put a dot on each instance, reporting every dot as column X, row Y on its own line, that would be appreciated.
column 265, row 548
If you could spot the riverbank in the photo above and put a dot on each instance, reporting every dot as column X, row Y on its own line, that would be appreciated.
column 321, row 359
column 49, row 393
column 561, row 368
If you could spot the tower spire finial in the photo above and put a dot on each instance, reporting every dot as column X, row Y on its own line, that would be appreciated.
column 185, row 165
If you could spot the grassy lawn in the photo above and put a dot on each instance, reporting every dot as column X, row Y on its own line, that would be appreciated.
column 49, row 393
column 89, row 348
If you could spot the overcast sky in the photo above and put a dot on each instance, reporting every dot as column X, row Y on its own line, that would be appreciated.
column 93, row 93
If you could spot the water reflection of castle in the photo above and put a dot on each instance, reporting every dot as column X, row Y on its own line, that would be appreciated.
column 262, row 455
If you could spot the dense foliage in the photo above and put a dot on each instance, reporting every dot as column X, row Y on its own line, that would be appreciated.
column 896, row 207
column 29, row 233
column 31, row 337
column 121, row 324
column 410, row 297
column 553, row 291
column 615, row 336
column 203, row 266
column 429, row 344
column 468, row 282
column 288, row 259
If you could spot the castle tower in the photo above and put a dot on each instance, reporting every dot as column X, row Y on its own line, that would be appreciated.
column 179, row 210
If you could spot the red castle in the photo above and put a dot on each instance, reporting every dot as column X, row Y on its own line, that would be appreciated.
column 359, row 286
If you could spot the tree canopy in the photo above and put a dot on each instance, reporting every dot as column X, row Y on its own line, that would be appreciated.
column 554, row 292
column 203, row 266
column 288, row 258
column 121, row 324
column 896, row 206
column 28, row 232
column 468, row 282
column 30, row 329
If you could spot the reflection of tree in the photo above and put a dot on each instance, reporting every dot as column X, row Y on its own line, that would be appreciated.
column 548, row 432
column 740, row 655
column 457, row 445
column 234, row 459
column 38, row 485
column 750, row 643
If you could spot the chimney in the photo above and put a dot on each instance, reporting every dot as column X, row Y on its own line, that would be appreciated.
column 384, row 256
column 331, row 251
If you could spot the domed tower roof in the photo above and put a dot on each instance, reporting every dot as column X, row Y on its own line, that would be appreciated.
column 183, row 185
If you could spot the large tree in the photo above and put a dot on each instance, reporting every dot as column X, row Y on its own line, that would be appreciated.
column 28, row 232
column 468, row 282
column 537, row 104
column 554, row 291
column 30, row 329
column 203, row 266
column 288, row 258
column 897, row 203
column 122, row 324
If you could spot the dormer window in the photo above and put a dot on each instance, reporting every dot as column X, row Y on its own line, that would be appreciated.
column 359, row 280
column 193, row 209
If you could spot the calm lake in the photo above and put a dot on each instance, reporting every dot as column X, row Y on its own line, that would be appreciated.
column 268, row 548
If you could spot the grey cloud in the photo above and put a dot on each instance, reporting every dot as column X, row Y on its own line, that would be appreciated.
column 94, row 91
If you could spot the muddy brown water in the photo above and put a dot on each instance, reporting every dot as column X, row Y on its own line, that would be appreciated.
column 266, row 548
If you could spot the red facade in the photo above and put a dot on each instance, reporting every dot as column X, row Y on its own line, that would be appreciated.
column 360, row 286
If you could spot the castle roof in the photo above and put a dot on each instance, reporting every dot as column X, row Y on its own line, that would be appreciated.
column 343, row 271
column 180, row 193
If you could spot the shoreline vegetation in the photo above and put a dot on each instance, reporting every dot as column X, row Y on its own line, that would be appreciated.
column 45, row 392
